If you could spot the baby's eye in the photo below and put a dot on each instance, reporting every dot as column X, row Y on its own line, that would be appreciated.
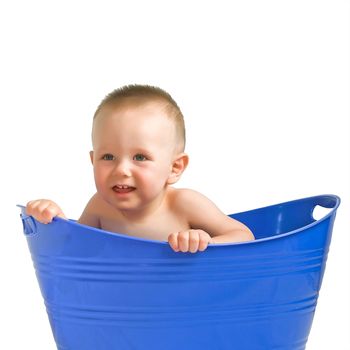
column 108, row 157
column 140, row 157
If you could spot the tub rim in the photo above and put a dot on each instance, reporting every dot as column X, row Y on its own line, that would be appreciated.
column 332, row 212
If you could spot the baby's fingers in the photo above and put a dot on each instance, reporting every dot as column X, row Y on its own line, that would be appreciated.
column 30, row 207
column 193, row 241
column 49, row 212
column 204, row 240
column 179, row 241
column 172, row 239
column 189, row 241
column 44, row 210
column 183, row 241
column 34, row 208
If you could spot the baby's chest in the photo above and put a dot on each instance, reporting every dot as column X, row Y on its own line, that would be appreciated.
column 158, row 228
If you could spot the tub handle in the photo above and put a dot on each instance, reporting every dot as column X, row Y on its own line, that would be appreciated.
column 322, row 206
column 29, row 224
column 327, row 201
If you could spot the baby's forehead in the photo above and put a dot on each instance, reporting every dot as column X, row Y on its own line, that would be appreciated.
column 152, row 113
column 136, row 104
column 141, row 116
column 147, row 111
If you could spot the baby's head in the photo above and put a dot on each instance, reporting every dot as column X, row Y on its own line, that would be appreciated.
column 138, row 138
column 137, row 96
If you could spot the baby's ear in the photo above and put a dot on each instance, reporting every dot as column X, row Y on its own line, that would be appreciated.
column 178, row 167
column 92, row 157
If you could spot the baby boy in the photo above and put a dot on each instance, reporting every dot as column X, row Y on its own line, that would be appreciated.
column 138, row 138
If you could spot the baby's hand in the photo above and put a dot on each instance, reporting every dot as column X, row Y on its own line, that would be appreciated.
column 44, row 210
column 189, row 241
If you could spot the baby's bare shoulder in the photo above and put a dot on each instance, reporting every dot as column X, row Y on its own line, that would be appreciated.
column 187, row 198
column 92, row 212
column 95, row 201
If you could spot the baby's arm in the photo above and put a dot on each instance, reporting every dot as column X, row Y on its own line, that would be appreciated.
column 44, row 210
column 208, row 223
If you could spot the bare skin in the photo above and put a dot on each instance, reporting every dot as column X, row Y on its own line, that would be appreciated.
column 136, row 161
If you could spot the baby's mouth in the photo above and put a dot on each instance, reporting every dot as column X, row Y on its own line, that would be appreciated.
column 123, row 188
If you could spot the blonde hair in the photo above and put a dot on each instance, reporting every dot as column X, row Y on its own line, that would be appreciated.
column 143, row 94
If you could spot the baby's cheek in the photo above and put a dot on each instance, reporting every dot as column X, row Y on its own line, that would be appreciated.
column 152, row 183
column 100, row 176
column 101, row 184
column 146, row 175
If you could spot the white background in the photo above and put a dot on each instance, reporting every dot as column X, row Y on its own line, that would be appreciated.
column 263, row 85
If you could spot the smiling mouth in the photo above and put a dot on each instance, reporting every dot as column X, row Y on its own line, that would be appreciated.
column 123, row 189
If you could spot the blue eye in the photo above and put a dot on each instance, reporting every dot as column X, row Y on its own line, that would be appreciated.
column 108, row 157
column 140, row 157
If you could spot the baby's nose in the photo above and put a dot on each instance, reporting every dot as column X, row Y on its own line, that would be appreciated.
column 123, row 168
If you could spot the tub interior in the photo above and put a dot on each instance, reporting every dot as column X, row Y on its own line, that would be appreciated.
column 286, row 217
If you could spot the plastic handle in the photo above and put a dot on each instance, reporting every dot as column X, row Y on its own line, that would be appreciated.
column 327, row 201
column 323, row 206
column 29, row 225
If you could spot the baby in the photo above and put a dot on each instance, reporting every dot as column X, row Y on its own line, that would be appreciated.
column 138, row 138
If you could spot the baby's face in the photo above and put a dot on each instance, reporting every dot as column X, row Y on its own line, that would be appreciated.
column 134, row 147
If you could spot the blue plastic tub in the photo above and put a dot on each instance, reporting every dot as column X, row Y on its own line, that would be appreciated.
column 107, row 291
